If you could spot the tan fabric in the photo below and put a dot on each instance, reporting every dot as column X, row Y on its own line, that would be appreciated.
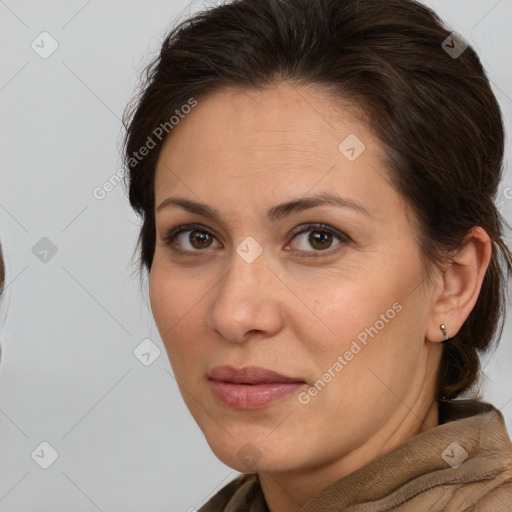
column 414, row 477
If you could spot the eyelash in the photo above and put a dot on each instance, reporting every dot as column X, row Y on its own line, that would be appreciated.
column 173, row 234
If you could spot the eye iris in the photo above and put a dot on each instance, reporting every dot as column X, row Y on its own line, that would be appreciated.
column 320, row 237
column 203, row 238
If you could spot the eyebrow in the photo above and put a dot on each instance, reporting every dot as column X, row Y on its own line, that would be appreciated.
column 276, row 212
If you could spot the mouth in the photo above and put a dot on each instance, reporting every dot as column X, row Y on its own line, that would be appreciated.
column 249, row 375
column 251, row 387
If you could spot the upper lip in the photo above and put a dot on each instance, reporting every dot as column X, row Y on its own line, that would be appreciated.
column 249, row 375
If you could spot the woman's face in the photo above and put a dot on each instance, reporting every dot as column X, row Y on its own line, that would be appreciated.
column 339, row 311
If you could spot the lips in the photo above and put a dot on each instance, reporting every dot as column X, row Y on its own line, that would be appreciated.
column 249, row 375
column 251, row 387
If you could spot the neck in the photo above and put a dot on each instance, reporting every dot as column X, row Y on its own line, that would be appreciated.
column 289, row 491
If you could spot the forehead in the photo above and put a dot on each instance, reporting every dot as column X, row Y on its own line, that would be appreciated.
column 282, row 140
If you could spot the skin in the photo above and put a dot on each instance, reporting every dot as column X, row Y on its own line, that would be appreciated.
column 243, row 152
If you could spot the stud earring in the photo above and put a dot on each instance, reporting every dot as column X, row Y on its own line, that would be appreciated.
column 444, row 331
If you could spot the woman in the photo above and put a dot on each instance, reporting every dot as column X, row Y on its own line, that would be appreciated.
column 326, row 262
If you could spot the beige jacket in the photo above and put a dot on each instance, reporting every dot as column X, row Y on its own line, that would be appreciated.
column 464, row 464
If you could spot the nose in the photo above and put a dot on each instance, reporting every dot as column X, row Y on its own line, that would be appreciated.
column 248, row 301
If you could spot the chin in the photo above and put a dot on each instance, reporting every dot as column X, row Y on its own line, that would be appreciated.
column 253, row 456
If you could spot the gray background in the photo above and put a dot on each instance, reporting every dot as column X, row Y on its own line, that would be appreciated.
column 70, row 324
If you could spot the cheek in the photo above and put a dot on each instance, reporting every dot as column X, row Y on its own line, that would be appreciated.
column 160, row 297
column 369, row 318
column 176, row 307
column 170, row 292
column 343, row 308
column 169, row 298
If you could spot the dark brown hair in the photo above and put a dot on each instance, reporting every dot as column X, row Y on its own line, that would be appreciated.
column 435, row 115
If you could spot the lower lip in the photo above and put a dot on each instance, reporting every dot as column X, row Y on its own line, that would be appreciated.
column 246, row 396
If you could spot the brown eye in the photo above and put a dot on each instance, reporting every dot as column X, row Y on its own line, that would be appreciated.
column 320, row 237
column 190, row 238
column 199, row 239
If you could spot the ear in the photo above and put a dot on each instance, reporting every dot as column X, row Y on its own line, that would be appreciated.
column 459, row 285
